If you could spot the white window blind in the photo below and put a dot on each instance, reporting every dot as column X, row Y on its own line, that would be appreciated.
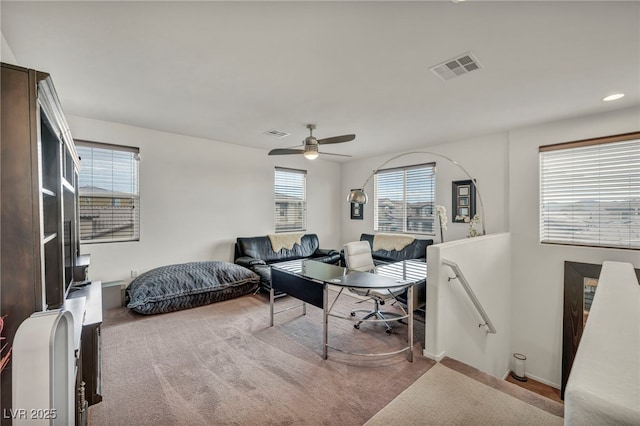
column 590, row 193
column 290, row 195
column 405, row 199
column 109, row 199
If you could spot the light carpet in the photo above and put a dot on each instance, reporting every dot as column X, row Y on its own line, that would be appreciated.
column 222, row 364
column 443, row 396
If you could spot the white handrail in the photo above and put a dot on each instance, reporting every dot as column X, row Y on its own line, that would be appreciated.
column 465, row 284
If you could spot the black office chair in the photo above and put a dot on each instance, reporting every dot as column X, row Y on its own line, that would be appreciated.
column 357, row 256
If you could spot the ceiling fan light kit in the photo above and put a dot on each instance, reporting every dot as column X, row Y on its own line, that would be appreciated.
column 310, row 145
column 311, row 152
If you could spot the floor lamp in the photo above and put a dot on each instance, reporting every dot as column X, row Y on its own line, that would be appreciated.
column 360, row 197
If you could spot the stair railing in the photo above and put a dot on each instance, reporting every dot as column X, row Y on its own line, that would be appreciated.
column 465, row 284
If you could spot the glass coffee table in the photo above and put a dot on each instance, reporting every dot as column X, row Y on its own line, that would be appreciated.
column 309, row 280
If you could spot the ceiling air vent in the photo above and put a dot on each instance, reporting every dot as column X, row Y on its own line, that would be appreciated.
column 455, row 67
column 277, row 133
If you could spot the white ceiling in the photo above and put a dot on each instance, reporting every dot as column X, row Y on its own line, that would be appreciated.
column 229, row 71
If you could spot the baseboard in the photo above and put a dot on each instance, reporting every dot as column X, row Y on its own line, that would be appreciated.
column 536, row 378
column 543, row 381
column 434, row 357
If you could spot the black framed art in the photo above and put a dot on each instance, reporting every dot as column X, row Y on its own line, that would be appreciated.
column 463, row 200
column 357, row 211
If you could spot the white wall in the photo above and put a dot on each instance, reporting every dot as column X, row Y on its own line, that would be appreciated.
column 6, row 54
column 538, row 269
column 452, row 319
column 485, row 158
column 197, row 196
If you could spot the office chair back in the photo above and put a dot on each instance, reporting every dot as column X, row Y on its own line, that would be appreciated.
column 357, row 256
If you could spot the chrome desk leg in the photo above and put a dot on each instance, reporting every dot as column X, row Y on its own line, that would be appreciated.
column 325, row 320
column 271, row 300
column 410, row 322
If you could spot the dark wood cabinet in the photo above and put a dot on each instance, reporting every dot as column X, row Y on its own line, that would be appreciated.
column 38, row 180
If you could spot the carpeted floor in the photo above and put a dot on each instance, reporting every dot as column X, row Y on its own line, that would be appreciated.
column 443, row 396
column 222, row 364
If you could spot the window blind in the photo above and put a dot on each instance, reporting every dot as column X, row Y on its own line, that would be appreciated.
column 109, row 201
column 290, row 195
column 405, row 199
column 590, row 194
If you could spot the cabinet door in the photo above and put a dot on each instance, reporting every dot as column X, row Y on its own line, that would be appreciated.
column 92, row 363
column 20, row 245
column 20, row 238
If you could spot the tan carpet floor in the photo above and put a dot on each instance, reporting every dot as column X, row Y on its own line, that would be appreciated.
column 222, row 364
column 443, row 396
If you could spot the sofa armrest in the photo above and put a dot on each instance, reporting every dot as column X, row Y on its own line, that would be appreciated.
column 325, row 252
column 258, row 266
column 248, row 261
column 326, row 256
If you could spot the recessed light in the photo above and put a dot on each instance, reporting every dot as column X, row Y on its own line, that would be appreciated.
column 613, row 97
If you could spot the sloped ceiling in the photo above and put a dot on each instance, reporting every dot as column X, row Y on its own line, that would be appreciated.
column 230, row 71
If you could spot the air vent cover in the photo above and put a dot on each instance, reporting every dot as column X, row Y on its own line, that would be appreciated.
column 277, row 133
column 455, row 67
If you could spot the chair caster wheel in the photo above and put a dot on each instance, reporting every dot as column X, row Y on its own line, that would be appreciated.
column 356, row 326
column 388, row 331
column 353, row 314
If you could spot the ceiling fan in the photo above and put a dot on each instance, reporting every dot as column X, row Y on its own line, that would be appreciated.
column 310, row 145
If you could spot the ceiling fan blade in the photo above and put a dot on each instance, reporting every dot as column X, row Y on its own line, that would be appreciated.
column 285, row 151
column 339, row 155
column 337, row 139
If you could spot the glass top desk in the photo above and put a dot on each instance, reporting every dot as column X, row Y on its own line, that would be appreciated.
column 308, row 281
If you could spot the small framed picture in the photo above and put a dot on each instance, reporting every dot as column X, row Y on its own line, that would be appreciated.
column 357, row 211
column 463, row 200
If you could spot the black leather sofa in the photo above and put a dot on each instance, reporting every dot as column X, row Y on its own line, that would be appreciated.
column 416, row 250
column 256, row 253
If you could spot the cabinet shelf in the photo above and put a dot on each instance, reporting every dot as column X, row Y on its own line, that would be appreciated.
column 48, row 192
column 66, row 185
column 49, row 237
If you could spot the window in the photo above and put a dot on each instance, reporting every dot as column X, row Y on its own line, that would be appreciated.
column 590, row 192
column 290, row 195
column 405, row 199
column 109, row 201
